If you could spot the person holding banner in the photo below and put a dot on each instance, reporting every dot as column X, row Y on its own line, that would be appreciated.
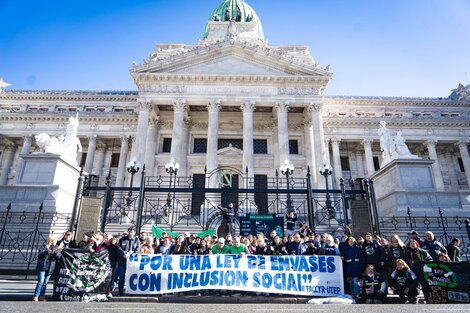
column 47, row 257
column 220, row 247
column 415, row 254
column 404, row 282
column 432, row 246
column 237, row 247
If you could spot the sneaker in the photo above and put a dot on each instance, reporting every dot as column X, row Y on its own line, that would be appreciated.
column 43, row 299
column 35, row 299
column 110, row 294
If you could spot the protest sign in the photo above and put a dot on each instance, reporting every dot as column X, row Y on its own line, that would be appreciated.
column 84, row 276
column 298, row 275
column 445, row 282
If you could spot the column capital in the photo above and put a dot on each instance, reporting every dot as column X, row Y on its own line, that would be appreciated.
column 282, row 107
column 462, row 144
column 9, row 145
column 92, row 138
column 431, row 143
column 248, row 106
column 307, row 123
column 124, row 140
column 154, row 121
column 214, row 105
column 180, row 105
column 335, row 140
column 28, row 138
column 367, row 142
column 144, row 104
column 314, row 107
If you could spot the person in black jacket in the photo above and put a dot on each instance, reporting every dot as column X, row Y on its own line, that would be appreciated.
column 415, row 254
column 113, row 252
column 47, row 257
column 372, row 252
column 127, row 245
column 453, row 250
column 404, row 281
column 432, row 246
column 353, row 260
column 373, row 286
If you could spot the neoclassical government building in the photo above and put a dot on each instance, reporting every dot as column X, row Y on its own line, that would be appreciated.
column 232, row 100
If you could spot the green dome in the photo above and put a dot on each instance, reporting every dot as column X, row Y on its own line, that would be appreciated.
column 238, row 11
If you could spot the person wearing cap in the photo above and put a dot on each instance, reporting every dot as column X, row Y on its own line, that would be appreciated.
column 339, row 234
column 220, row 247
column 414, row 235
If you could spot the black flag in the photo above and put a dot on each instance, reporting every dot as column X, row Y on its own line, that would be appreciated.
column 84, row 276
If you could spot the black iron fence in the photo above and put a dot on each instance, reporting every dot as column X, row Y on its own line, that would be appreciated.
column 444, row 228
column 176, row 202
column 22, row 233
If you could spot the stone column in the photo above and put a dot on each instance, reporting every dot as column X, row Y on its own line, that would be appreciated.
column 90, row 155
column 337, row 169
column 367, row 143
column 212, row 139
column 282, row 109
column 179, row 108
column 248, row 155
column 454, row 182
column 138, row 154
column 360, row 163
column 151, row 144
column 122, row 161
column 315, row 110
column 436, row 168
column 99, row 160
column 8, row 156
column 310, row 149
column 183, row 171
column 463, row 147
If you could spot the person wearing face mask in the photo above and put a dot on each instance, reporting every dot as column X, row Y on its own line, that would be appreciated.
column 404, row 282
column 373, row 286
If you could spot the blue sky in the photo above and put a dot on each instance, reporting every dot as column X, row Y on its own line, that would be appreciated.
column 375, row 47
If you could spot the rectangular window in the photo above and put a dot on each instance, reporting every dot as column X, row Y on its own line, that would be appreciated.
column 462, row 168
column 115, row 159
column 376, row 163
column 200, row 145
column 83, row 159
column 293, row 147
column 166, row 145
column 224, row 143
column 260, row 146
column 345, row 163
column 261, row 199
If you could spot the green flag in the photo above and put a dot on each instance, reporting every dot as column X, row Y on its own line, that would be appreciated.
column 157, row 232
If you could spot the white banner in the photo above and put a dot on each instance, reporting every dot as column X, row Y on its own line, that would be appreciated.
column 297, row 275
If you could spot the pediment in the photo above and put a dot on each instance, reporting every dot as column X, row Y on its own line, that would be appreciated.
column 232, row 59
column 230, row 151
column 229, row 65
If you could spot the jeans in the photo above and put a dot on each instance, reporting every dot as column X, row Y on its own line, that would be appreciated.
column 43, row 279
column 231, row 229
column 354, row 286
column 121, row 276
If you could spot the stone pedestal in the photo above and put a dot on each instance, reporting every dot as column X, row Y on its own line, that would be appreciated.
column 46, row 178
column 404, row 183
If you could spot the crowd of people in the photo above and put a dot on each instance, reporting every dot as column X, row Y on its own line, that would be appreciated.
column 371, row 264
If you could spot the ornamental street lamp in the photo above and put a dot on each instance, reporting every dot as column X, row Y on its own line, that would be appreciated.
column 132, row 168
column 172, row 169
column 287, row 169
column 326, row 170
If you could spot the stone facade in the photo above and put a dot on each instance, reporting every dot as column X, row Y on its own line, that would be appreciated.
column 193, row 101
